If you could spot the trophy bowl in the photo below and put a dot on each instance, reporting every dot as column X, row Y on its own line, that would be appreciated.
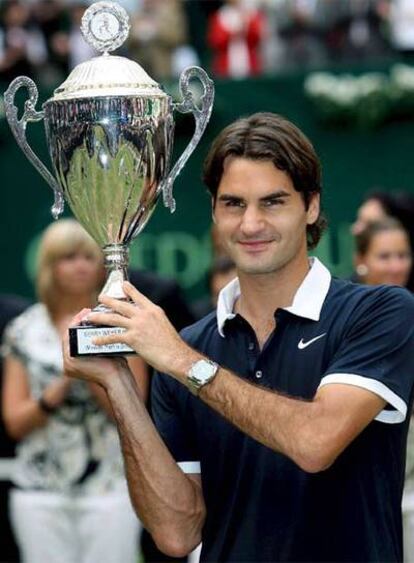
column 110, row 132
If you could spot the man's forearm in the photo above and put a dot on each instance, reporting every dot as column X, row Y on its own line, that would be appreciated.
column 167, row 501
column 282, row 423
column 311, row 433
column 274, row 420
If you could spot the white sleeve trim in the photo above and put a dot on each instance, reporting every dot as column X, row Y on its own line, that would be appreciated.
column 189, row 466
column 388, row 416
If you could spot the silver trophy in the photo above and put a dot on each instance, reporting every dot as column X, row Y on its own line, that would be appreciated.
column 109, row 130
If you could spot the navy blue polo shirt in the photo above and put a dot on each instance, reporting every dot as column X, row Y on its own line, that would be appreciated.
column 260, row 505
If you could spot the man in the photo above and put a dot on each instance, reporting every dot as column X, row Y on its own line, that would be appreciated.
column 281, row 421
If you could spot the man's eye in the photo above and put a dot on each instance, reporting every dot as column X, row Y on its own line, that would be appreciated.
column 272, row 202
column 233, row 203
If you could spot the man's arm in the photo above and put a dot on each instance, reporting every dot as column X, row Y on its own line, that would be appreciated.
column 169, row 503
column 312, row 433
column 139, row 370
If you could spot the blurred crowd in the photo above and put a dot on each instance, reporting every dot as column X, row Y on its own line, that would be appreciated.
column 234, row 38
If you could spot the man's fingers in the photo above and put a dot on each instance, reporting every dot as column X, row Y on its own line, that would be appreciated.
column 111, row 319
column 109, row 339
column 136, row 296
column 79, row 317
column 124, row 308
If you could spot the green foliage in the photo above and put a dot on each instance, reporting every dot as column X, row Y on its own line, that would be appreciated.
column 365, row 101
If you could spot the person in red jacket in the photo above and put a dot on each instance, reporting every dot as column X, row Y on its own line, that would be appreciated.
column 234, row 34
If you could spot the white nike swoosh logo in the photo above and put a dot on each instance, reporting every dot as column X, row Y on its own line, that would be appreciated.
column 303, row 345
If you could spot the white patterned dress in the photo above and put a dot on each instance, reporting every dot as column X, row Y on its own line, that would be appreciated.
column 78, row 449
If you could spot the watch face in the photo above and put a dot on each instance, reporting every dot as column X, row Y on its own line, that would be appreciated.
column 201, row 373
column 203, row 370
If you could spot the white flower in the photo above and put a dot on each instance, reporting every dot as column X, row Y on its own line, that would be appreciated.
column 319, row 83
column 372, row 82
column 403, row 76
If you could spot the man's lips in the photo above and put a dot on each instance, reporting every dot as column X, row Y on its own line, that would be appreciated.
column 254, row 245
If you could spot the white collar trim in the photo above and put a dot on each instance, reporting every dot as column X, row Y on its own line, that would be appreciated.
column 307, row 303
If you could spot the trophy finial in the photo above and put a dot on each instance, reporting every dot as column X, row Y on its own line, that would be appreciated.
column 105, row 26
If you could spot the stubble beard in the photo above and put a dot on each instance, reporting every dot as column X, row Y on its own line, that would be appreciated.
column 271, row 267
column 271, row 264
column 268, row 265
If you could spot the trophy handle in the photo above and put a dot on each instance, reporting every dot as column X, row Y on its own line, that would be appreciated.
column 18, row 128
column 201, row 114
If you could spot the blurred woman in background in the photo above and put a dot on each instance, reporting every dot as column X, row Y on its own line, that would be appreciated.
column 70, row 503
column 384, row 256
column 379, row 205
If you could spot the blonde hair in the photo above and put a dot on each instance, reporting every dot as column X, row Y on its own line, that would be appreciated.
column 61, row 238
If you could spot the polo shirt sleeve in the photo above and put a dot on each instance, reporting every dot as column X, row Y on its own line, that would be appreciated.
column 377, row 351
column 169, row 403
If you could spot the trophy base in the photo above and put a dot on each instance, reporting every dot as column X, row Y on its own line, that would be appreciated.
column 81, row 336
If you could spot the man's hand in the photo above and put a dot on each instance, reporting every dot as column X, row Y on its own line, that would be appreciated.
column 147, row 331
column 94, row 369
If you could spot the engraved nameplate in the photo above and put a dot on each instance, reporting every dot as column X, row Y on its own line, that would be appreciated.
column 81, row 337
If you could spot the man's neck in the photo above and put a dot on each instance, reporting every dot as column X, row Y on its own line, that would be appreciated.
column 261, row 295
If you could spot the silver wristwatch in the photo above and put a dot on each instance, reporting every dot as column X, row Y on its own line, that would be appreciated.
column 201, row 373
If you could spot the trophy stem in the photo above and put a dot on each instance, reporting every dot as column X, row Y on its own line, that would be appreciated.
column 81, row 337
column 116, row 262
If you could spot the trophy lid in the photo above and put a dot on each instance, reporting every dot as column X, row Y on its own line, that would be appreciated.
column 105, row 26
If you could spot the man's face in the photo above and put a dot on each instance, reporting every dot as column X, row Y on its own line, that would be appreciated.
column 260, row 217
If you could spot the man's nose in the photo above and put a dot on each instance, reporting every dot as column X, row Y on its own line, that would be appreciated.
column 252, row 221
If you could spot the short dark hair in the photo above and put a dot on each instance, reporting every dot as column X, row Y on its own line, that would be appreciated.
column 268, row 136
column 364, row 239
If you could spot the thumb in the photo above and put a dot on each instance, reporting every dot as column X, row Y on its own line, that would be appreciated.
column 80, row 317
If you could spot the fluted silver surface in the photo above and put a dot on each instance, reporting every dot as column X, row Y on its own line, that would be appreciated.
column 110, row 156
column 105, row 76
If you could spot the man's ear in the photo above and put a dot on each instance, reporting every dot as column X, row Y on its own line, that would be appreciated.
column 314, row 208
